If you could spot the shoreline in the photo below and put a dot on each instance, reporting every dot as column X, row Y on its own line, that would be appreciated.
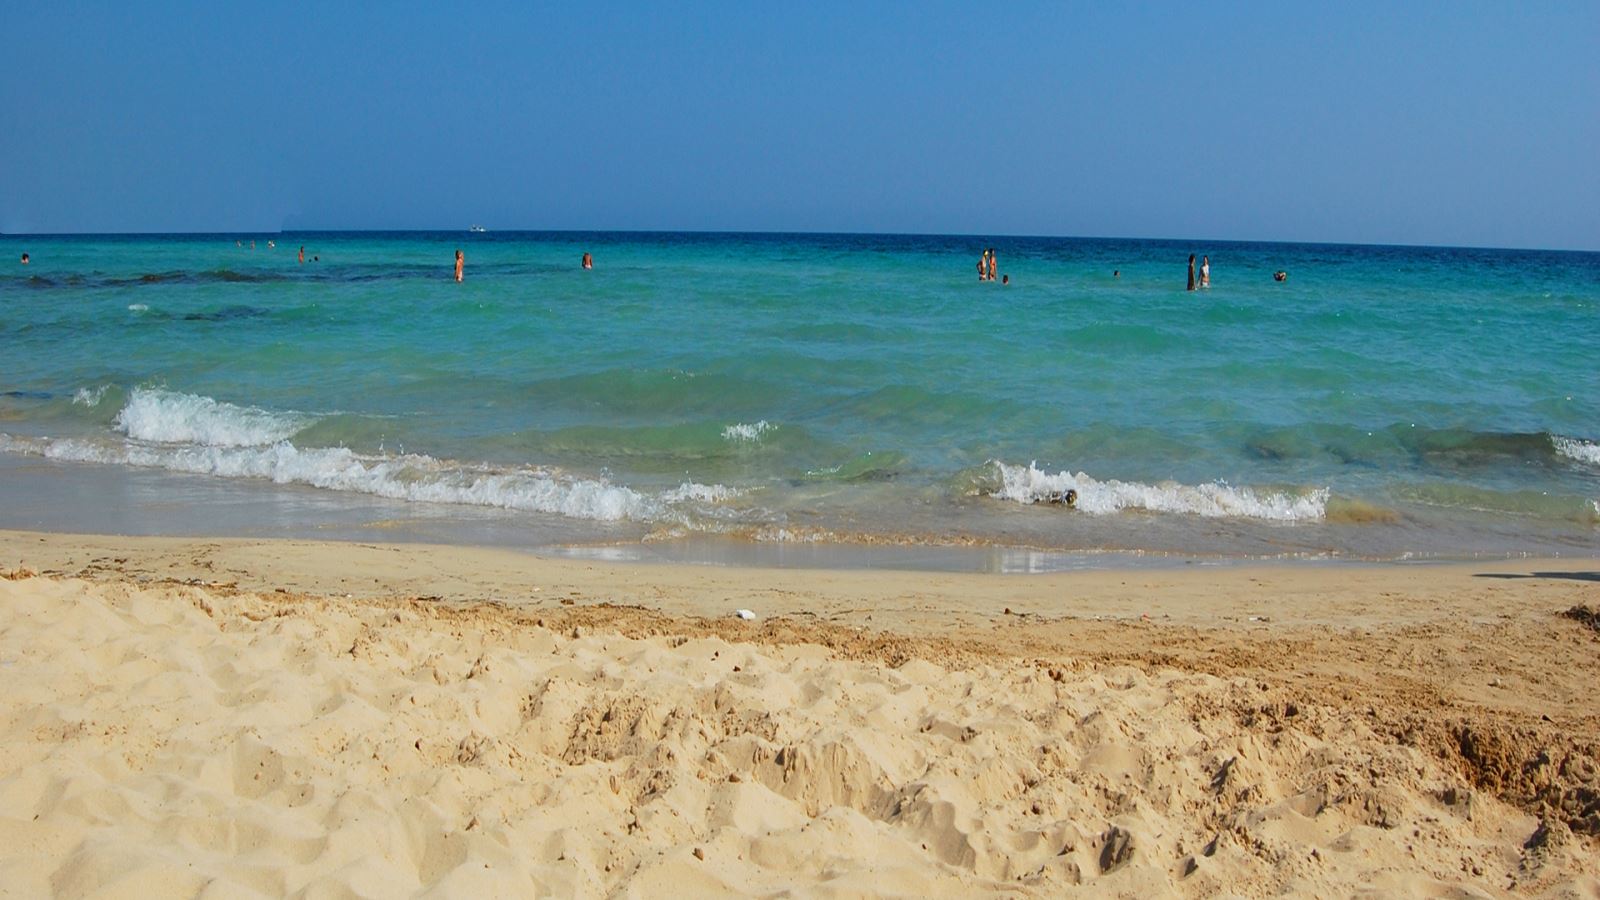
column 1325, row 592
column 283, row 715
column 54, row 496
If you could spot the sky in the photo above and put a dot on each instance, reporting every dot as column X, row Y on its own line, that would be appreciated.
column 1461, row 123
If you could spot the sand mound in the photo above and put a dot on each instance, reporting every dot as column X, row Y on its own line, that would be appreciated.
column 179, row 741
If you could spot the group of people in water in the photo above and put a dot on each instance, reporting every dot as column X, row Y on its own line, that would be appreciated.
column 987, row 266
column 586, row 262
column 1198, row 278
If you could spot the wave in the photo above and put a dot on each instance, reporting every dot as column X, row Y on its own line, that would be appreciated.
column 1525, row 503
column 1028, row 484
column 90, row 397
column 1580, row 450
column 1440, row 448
column 411, row 477
column 743, row 433
column 663, row 448
column 199, row 435
column 880, row 465
column 170, row 417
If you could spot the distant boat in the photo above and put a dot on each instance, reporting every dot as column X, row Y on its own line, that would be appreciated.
column 477, row 229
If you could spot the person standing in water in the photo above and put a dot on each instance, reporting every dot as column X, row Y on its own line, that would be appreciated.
column 24, row 259
column 983, row 266
column 461, row 262
column 994, row 263
column 302, row 254
column 1191, row 273
column 1205, row 271
column 588, row 261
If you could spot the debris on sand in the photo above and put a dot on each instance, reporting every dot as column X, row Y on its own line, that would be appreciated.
column 1584, row 615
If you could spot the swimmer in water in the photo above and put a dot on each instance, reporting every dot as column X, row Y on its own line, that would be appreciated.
column 461, row 262
column 24, row 259
column 1280, row 275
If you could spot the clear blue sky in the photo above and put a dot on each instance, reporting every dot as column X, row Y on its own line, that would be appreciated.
column 1447, row 123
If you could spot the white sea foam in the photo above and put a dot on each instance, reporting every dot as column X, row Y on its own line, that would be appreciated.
column 169, row 417
column 778, row 534
column 412, row 477
column 138, row 307
column 700, row 493
column 1582, row 451
column 90, row 396
column 1027, row 484
column 746, row 433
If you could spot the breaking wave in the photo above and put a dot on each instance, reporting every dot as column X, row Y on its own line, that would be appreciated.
column 1572, row 448
column 199, row 435
column 169, row 417
column 90, row 397
column 414, row 477
column 1028, row 484
column 742, row 433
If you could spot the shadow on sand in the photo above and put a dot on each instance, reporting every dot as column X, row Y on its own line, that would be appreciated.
column 1571, row 576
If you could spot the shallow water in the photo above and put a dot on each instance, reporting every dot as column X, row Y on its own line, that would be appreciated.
column 816, row 389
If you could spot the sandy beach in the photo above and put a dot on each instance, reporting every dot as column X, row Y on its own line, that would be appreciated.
column 230, row 718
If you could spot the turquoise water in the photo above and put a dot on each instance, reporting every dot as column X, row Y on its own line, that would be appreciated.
column 785, row 389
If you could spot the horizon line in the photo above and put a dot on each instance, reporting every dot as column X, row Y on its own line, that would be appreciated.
column 784, row 232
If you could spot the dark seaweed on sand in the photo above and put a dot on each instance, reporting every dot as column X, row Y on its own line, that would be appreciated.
column 1584, row 615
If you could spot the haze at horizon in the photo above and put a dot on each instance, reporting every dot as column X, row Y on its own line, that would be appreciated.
column 1462, row 125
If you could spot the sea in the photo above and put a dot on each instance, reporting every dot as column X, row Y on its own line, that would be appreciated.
column 807, row 399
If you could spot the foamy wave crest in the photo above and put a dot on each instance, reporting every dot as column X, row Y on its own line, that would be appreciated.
column 1027, row 484
column 413, row 477
column 169, row 417
column 1582, row 451
column 90, row 396
column 746, row 433
column 700, row 493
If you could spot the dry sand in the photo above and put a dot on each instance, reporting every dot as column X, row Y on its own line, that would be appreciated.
column 233, row 718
